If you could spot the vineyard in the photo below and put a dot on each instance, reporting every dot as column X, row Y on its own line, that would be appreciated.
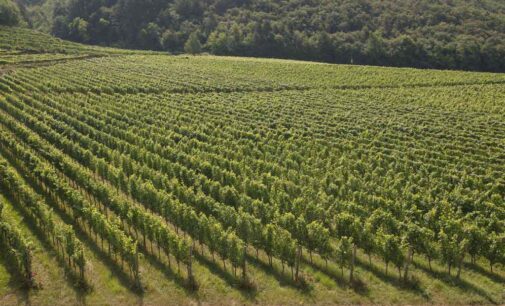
column 141, row 178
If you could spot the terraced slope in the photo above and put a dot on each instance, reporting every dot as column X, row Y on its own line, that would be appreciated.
column 164, row 179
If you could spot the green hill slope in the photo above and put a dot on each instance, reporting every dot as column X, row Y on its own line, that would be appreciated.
column 29, row 41
column 458, row 34
column 139, row 175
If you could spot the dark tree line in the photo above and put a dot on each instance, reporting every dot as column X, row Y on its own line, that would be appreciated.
column 10, row 13
column 451, row 34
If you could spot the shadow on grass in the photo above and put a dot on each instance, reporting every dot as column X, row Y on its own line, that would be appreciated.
column 85, row 238
column 284, row 279
column 392, row 278
column 71, row 276
column 452, row 280
column 484, row 272
column 16, row 282
column 168, row 271
column 124, row 278
column 249, row 293
column 338, row 276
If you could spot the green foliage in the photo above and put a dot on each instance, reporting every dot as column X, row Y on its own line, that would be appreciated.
column 9, row 13
column 192, row 45
column 41, row 44
column 344, row 252
column 495, row 249
column 17, row 248
column 427, row 34
column 391, row 250
column 78, row 30
column 224, row 159
column 59, row 235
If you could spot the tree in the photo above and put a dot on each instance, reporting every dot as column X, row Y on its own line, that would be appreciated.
column 150, row 36
column 217, row 42
column 475, row 236
column 448, row 250
column 344, row 252
column 269, row 241
column 132, row 15
column 285, row 248
column 317, row 239
column 236, row 250
column 347, row 225
column 193, row 45
column 453, row 243
column 368, row 243
column 376, row 49
column 170, row 40
column 78, row 30
column 333, row 31
column 321, row 237
column 326, row 49
column 407, row 52
column 495, row 249
column 60, row 27
column 391, row 251
column 430, row 250
column 9, row 13
column 414, row 239
column 189, row 8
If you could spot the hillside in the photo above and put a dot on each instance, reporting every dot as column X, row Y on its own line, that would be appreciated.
column 456, row 34
column 131, row 177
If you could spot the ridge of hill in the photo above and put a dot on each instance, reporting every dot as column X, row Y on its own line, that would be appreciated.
column 456, row 34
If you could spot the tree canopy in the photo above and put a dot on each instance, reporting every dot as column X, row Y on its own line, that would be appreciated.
column 457, row 34
column 9, row 13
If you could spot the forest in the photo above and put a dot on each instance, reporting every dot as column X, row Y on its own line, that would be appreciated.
column 451, row 34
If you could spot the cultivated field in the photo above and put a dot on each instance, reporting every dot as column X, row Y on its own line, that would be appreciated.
column 143, row 178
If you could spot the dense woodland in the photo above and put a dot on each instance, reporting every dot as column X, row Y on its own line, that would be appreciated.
column 449, row 34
